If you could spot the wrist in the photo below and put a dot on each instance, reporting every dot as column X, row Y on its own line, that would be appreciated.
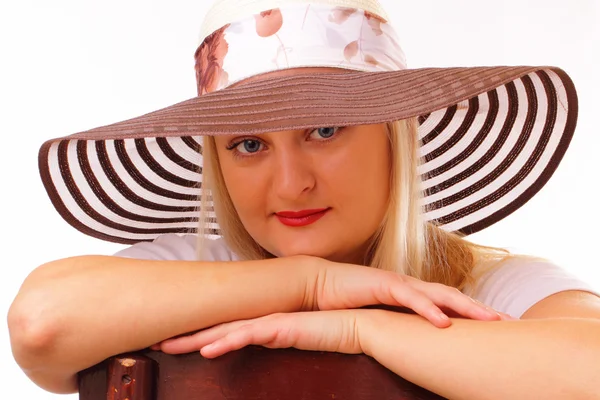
column 377, row 328
column 310, row 269
column 300, row 275
column 369, row 323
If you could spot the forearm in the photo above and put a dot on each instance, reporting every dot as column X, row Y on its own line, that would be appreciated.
column 77, row 312
column 546, row 359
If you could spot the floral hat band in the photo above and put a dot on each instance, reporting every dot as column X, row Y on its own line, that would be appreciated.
column 297, row 35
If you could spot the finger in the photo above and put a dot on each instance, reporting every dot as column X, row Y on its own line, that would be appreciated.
column 409, row 297
column 451, row 298
column 194, row 342
column 507, row 317
column 249, row 334
column 182, row 344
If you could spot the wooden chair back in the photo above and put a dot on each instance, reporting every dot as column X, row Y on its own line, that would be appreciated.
column 251, row 373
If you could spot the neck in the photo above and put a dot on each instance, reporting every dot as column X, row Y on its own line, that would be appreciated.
column 359, row 256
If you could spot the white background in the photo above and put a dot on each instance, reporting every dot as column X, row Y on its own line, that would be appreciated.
column 68, row 66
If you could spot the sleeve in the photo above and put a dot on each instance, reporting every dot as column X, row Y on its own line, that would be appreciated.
column 165, row 247
column 179, row 247
column 518, row 284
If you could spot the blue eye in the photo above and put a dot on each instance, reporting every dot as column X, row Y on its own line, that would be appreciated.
column 248, row 146
column 326, row 132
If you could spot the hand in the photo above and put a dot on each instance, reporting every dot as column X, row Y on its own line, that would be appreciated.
column 335, row 286
column 333, row 331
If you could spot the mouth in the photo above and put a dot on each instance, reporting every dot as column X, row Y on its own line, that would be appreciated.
column 301, row 218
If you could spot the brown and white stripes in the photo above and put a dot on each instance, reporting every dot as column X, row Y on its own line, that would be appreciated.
column 491, row 138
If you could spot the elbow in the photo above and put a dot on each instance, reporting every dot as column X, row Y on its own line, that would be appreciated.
column 33, row 345
column 36, row 326
column 30, row 331
column 33, row 317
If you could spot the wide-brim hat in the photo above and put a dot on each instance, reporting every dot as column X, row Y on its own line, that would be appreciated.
column 491, row 137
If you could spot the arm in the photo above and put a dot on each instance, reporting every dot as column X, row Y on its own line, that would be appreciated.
column 543, row 358
column 73, row 313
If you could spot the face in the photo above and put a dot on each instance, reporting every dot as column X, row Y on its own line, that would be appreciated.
column 339, row 176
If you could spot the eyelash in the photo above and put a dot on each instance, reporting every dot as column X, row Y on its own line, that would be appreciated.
column 237, row 154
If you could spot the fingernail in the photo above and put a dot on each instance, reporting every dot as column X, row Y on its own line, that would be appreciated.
column 209, row 346
column 444, row 317
column 491, row 311
column 485, row 307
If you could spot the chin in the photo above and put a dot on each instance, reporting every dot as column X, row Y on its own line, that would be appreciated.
column 302, row 248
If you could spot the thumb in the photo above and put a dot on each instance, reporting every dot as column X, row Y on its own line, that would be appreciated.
column 155, row 347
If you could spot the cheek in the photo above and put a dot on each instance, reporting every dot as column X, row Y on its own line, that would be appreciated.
column 372, row 185
column 366, row 175
column 244, row 187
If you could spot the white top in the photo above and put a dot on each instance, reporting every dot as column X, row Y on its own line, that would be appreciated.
column 511, row 288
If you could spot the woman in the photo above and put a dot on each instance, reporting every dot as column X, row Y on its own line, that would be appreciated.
column 316, row 175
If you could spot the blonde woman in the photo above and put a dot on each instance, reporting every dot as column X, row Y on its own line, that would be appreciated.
column 332, row 178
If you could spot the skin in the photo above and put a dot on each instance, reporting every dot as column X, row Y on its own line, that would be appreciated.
column 305, row 169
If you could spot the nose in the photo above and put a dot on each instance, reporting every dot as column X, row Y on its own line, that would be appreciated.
column 292, row 173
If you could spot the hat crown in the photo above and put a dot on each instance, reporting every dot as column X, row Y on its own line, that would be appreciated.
column 223, row 12
column 298, row 34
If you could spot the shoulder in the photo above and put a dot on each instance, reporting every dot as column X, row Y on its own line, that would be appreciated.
column 520, row 282
column 179, row 247
column 217, row 250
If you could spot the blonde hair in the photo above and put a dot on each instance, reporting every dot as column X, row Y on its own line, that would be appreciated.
column 404, row 242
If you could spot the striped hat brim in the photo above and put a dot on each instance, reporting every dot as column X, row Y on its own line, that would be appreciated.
column 491, row 138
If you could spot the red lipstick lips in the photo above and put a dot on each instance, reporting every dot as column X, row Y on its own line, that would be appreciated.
column 301, row 218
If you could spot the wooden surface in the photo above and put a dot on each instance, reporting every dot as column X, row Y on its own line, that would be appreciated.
column 252, row 373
